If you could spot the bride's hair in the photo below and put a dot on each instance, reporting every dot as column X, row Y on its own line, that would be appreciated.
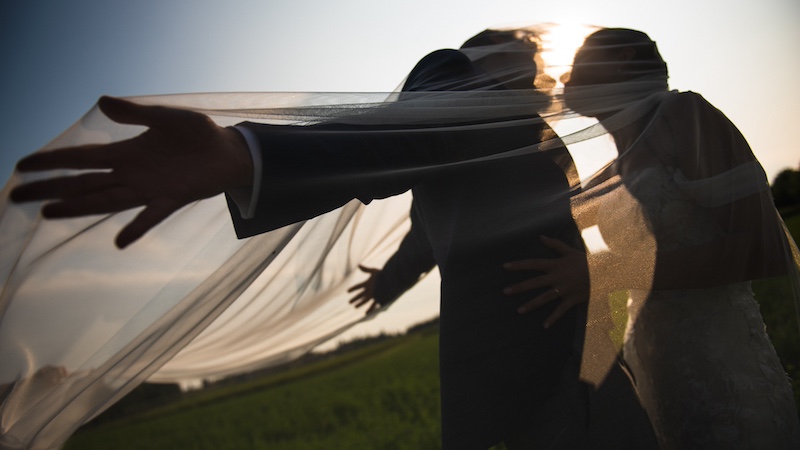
column 646, row 58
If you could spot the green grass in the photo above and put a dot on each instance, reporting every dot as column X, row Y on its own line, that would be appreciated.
column 781, row 315
column 382, row 397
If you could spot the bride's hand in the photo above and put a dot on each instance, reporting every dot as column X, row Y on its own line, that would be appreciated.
column 567, row 276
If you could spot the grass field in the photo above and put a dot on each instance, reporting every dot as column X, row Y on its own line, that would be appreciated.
column 780, row 315
column 385, row 396
column 382, row 396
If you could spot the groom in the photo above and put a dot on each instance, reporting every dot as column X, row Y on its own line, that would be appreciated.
column 501, row 372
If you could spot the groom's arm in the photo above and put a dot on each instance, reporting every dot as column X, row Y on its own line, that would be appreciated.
column 310, row 170
column 306, row 171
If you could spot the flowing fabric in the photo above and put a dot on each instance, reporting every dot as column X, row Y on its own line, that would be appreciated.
column 670, row 199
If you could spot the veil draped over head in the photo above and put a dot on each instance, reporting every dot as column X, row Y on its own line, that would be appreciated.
column 83, row 323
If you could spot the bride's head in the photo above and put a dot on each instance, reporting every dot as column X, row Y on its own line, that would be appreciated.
column 614, row 55
column 613, row 62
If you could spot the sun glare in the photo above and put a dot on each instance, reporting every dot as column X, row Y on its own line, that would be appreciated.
column 559, row 44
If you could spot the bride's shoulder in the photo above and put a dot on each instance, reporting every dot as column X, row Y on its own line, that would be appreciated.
column 707, row 142
column 692, row 109
column 687, row 101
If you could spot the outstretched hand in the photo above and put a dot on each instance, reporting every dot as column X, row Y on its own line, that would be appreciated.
column 182, row 157
column 567, row 276
column 367, row 290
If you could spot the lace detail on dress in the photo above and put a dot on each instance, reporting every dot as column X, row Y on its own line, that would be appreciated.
column 706, row 371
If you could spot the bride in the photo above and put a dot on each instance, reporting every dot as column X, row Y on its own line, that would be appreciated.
column 687, row 221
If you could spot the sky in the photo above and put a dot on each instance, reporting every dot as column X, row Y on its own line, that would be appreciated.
column 59, row 57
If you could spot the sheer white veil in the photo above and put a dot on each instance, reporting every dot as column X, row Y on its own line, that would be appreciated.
column 83, row 323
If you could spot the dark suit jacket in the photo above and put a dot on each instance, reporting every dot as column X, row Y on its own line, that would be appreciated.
column 413, row 258
column 495, row 365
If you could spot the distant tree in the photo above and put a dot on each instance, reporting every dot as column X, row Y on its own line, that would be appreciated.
column 786, row 188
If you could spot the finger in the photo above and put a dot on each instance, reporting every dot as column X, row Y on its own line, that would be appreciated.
column 152, row 116
column 62, row 187
column 368, row 269
column 356, row 298
column 359, row 301
column 358, row 286
column 93, row 156
column 106, row 201
column 151, row 216
column 365, row 300
column 560, row 310
column 529, row 264
column 539, row 301
column 373, row 307
column 529, row 285
column 556, row 244
column 127, row 112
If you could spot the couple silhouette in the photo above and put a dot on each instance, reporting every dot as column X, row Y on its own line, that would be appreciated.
column 684, row 211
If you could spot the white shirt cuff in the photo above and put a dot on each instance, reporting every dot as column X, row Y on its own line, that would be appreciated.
column 247, row 199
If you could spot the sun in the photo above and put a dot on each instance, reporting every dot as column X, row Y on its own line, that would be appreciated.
column 559, row 43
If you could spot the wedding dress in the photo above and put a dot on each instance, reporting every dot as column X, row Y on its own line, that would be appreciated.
column 700, row 358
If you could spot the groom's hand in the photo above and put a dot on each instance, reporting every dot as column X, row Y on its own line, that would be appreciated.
column 366, row 290
column 182, row 157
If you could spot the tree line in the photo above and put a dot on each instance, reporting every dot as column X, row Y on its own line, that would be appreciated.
column 786, row 188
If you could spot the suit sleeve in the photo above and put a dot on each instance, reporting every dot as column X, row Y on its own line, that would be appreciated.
column 310, row 170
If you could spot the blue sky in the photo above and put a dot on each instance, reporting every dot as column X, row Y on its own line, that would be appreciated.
column 59, row 57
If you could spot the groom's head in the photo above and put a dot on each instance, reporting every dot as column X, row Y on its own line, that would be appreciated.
column 509, row 56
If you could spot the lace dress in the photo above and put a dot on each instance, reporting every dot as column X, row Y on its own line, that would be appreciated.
column 702, row 363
